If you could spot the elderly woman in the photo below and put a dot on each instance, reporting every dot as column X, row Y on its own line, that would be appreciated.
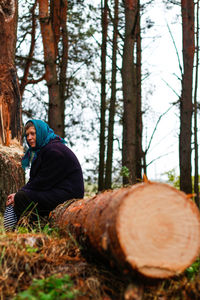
column 55, row 175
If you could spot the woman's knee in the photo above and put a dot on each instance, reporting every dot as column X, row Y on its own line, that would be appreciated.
column 21, row 203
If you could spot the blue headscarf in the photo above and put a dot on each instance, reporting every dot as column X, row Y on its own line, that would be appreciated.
column 44, row 134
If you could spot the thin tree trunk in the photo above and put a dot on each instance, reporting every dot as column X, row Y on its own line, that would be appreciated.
column 54, row 115
column 64, row 62
column 129, row 92
column 24, row 79
column 59, row 25
column 196, row 159
column 109, row 161
column 139, row 152
column 187, row 8
column 104, row 8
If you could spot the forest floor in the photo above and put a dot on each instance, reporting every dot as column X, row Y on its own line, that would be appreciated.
column 44, row 255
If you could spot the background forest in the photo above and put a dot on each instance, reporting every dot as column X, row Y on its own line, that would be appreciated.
column 118, row 80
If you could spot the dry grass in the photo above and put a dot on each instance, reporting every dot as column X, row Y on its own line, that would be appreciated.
column 25, row 256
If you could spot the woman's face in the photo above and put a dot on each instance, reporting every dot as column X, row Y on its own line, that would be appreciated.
column 31, row 136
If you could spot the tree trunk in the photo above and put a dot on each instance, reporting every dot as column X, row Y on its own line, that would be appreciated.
column 186, row 107
column 104, row 17
column 8, row 30
column 139, row 152
column 10, row 101
column 11, row 172
column 129, row 92
column 63, row 62
column 196, row 154
column 150, row 227
column 110, row 140
column 24, row 79
column 54, row 115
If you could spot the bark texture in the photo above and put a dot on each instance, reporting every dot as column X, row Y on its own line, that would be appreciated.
column 49, row 40
column 10, row 101
column 11, row 173
column 139, row 127
column 149, row 227
column 196, row 146
column 24, row 79
column 186, row 106
column 104, row 21
column 8, row 29
column 129, row 82
column 63, row 61
column 110, row 139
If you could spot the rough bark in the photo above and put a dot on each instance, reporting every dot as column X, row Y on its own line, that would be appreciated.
column 186, row 106
column 104, row 19
column 10, row 104
column 11, row 172
column 196, row 150
column 27, row 67
column 110, row 140
column 51, row 76
column 10, row 101
column 150, row 227
column 63, row 62
column 129, row 83
column 8, row 29
column 139, row 152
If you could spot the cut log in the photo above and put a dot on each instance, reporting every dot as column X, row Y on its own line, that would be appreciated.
column 151, row 227
column 11, row 173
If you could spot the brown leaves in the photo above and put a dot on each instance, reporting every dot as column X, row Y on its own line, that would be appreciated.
column 27, row 256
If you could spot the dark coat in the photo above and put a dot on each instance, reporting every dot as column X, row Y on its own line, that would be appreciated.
column 55, row 176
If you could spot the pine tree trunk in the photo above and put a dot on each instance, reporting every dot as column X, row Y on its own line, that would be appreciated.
column 11, row 173
column 139, row 152
column 186, row 106
column 51, row 76
column 104, row 19
column 196, row 148
column 24, row 79
column 63, row 62
column 150, row 227
column 10, row 100
column 110, row 140
column 129, row 92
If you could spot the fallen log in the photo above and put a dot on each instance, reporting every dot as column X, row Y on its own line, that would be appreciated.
column 151, row 227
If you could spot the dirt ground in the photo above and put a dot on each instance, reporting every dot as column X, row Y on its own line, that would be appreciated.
column 25, row 256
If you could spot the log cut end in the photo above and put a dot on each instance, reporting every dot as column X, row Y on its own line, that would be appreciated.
column 158, row 229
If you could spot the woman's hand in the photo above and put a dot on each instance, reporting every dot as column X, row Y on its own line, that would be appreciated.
column 10, row 200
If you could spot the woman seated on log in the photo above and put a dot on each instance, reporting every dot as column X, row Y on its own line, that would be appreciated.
column 55, row 175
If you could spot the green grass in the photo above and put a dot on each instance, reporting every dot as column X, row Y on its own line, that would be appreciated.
column 51, row 288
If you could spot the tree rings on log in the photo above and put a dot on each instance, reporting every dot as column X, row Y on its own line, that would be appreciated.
column 151, row 227
column 159, row 230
